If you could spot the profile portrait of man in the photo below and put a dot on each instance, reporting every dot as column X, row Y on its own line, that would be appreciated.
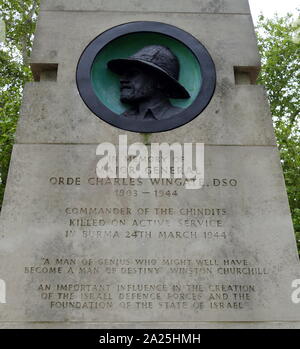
column 148, row 79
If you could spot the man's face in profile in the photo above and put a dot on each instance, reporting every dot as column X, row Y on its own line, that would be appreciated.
column 136, row 85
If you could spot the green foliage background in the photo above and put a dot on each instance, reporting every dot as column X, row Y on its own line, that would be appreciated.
column 280, row 75
column 20, row 19
column 279, row 47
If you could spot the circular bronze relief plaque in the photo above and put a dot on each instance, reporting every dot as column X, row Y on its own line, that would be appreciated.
column 146, row 77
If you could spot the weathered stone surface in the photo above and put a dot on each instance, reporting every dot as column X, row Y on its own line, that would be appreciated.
column 61, row 37
column 154, row 325
column 54, row 113
column 194, row 6
column 253, row 214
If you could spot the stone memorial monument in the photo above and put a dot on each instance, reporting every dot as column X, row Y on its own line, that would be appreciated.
column 81, row 251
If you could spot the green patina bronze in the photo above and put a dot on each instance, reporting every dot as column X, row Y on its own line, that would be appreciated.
column 106, row 84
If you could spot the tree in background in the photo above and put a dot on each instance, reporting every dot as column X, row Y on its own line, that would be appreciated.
column 20, row 19
column 279, row 47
